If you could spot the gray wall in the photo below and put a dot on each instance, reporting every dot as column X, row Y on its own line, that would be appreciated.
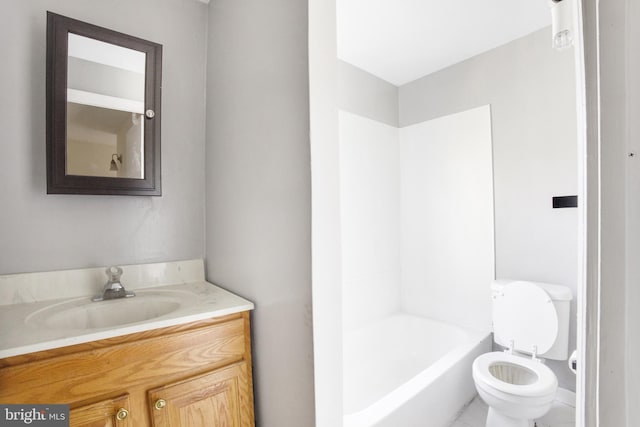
column 633, row 213
column 618, row 298
column 531, row 89
column 257, row 162
column 47, row 232
column 258, row 191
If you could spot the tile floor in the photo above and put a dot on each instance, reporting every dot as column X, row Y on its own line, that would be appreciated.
column 475, row 415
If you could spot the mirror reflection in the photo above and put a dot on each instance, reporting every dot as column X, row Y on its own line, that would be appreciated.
column 105, row 108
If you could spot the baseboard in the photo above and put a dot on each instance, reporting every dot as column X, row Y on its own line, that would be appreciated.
column 567, row 397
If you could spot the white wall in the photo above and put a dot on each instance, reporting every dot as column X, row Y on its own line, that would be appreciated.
column 531, row 89
column 366, row 95
column 40, row 232
column 447, row 242
column 258, row 192
column 325, row 211
column 370, row 218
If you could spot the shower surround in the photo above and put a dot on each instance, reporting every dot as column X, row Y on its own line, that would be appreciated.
column 417, row 249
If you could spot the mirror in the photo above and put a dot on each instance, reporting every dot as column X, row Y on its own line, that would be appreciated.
column 103, row 110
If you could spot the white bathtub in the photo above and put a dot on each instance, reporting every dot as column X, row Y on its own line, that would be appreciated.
column 406, row 371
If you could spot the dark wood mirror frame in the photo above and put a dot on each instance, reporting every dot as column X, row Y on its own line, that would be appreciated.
column 58, row 182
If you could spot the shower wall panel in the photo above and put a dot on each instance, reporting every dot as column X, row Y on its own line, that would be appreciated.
column 447, row 228
column 370, row 219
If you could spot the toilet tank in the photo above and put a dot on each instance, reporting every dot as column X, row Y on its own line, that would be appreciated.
column 561, row 297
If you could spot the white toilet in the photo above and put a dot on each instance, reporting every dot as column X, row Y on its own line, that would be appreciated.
column 532, row 321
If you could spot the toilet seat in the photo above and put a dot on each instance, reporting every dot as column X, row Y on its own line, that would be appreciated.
column 544, row 384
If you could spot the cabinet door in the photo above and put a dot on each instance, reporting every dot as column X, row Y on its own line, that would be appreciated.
column 221, row 398
column 106, row 413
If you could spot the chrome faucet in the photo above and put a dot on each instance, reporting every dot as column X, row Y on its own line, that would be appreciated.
column 113, row 288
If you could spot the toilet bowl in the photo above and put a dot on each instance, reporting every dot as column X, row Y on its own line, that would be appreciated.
column 516, row 389
column 531, row 320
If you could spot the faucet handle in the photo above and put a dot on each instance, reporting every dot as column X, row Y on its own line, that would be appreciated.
column 113, row 288
column 113, row 273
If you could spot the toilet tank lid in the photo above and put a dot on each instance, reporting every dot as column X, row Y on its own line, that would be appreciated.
column 556, row 292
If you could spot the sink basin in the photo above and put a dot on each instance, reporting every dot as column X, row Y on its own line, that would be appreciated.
column 82, row 313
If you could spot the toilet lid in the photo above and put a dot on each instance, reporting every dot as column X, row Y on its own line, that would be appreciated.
column 524, row 313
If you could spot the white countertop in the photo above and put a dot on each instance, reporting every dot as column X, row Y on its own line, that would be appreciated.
column 19, row 336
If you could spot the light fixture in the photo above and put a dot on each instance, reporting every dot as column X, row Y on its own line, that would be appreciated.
column 562, row 32
column 115, row 159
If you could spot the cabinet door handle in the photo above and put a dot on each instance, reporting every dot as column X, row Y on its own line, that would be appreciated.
column 122, row 414
column 160, row 403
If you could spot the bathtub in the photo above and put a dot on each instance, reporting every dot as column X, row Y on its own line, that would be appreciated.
column 406, row 371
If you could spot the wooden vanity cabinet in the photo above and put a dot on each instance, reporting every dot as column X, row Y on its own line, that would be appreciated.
column 193, row 375
column 215, row 395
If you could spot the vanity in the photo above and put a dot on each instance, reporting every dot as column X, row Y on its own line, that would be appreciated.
column 179, row 356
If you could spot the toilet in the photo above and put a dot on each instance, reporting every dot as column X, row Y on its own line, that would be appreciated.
column 532, row 321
